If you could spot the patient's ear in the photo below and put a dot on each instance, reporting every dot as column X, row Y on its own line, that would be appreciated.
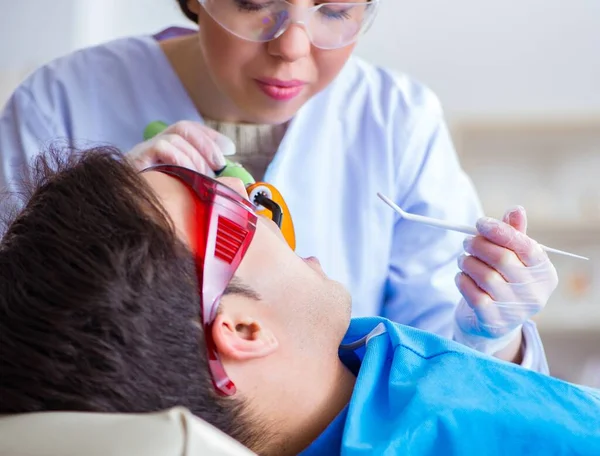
column 242, row 337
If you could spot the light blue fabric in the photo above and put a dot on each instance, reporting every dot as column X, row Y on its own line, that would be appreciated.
column 370, row 131
column 422, row 395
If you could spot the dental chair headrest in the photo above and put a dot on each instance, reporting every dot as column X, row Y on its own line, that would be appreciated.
column 174, row 432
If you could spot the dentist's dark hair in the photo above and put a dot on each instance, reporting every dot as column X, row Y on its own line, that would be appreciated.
column 183, row 5
column 99, row 303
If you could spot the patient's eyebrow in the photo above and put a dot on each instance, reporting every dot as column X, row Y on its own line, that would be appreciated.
column 236, row 286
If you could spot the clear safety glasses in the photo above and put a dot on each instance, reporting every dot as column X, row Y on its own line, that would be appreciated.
column 329, row 25
column 225, row 226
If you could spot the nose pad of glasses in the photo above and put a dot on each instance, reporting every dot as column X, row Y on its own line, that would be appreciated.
column 275, row 25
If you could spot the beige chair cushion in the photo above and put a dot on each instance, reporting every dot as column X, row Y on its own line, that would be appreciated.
column 174, row 432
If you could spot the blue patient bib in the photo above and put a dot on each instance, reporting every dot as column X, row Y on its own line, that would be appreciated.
column 419, row 394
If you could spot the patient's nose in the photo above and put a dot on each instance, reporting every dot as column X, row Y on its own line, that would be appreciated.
column 236, row 184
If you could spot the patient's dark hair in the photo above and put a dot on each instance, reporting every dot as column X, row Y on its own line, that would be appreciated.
column 99, row 303
column 183, row 5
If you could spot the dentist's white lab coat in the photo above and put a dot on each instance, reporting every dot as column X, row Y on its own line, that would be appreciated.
column 370, row 131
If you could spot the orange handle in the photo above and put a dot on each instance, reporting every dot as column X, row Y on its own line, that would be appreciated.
column 287, row 225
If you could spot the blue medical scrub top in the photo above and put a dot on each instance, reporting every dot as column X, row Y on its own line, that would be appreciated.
column 417, row 393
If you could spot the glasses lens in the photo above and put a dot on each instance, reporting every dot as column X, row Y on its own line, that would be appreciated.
column 253, row 20
column 231, row 224
column 335, row 25
column 330, row 25
column 225, row 226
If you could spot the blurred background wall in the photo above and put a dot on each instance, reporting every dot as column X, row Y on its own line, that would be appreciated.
column 520, row 83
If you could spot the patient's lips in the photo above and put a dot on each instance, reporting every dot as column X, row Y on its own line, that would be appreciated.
column 315, row 264
column 312, row 260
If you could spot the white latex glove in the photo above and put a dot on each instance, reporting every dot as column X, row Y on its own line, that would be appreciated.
column 506, row 279
column 188, row 144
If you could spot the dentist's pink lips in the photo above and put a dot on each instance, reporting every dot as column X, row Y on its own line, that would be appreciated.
column 281, row 90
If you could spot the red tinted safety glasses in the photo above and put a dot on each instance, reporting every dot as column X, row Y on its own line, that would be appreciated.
column 225, row 226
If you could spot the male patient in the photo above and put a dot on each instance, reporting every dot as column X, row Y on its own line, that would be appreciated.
column 127, row 292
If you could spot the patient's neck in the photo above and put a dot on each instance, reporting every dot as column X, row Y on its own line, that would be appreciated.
column 335, row 397
column 303, row 415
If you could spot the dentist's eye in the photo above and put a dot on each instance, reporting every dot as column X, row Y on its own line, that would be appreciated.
column 335, row 13
column 249, row 5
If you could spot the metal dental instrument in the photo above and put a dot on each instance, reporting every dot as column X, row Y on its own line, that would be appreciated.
column 457, row 227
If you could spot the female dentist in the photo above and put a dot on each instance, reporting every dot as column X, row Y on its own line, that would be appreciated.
column 329, row 131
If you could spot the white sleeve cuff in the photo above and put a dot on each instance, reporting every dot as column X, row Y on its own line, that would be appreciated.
column 534, row 357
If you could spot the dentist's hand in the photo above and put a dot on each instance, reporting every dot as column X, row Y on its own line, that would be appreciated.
column 506, row 279
column 188, row 144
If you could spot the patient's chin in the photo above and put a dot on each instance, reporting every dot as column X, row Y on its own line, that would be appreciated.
column 343, row 301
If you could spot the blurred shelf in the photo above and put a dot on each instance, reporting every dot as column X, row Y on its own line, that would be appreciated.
column 570, row 318
column 578, row 230
column 541, row 125
column 546, row 137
